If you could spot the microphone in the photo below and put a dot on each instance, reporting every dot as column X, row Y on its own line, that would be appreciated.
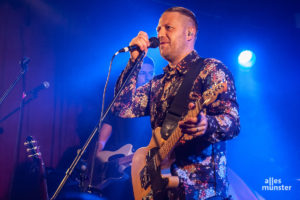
column 34, row 91
column 154, row 43
column 24, row 63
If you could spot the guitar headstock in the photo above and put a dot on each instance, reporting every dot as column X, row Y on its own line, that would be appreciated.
column 32, row 148
column 38, row 167
column 211, row 94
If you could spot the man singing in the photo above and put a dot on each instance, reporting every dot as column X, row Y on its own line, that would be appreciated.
column 199, row 166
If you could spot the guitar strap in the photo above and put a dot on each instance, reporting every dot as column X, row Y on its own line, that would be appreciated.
column 179, row 105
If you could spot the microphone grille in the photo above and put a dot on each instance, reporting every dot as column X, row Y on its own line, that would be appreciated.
column 154, row 42
column 46, row 84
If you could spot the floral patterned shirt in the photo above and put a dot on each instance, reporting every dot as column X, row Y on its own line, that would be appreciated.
column 201, row 162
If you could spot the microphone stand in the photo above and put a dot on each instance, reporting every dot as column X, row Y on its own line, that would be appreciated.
column 17, row 108
column 24, row 66
column 32, row 94
column 96, row 129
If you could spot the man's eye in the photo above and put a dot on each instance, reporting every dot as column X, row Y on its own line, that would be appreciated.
column 168, row 27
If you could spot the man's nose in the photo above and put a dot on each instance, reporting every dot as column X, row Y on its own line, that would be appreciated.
column 161, row 33
column 149, row 76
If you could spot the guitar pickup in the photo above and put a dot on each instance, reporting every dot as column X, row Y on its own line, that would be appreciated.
column 145, row 178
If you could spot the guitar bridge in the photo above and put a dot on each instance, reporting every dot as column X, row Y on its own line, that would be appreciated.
column 149, row 169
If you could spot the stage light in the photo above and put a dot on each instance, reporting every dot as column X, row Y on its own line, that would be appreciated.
column 246, row 59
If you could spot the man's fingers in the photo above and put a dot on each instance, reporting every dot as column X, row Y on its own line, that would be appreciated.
column 192, row 131
column 194, row 126
column 191, row 120
column 144, row 43
column 191, row 105
column 144, row 40
column 142, row 33
column 141, row 40
column 144, row 36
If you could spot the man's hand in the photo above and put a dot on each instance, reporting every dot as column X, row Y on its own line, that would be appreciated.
column 104, row 135
column 142, row 41
column 173, row 181
column 194, row 126
column 100, row 146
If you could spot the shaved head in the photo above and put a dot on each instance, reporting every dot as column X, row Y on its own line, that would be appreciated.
column 186, row 12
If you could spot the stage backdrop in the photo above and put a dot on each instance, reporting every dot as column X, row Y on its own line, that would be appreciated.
column 70, row 44
column 51, row 117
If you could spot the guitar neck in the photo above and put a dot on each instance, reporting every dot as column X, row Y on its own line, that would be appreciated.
column 208, row 96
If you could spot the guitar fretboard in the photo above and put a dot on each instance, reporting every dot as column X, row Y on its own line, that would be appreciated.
column 169, row 144
column 209, row 96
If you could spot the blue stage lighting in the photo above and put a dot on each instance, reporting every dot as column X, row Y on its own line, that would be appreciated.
column 247, row 58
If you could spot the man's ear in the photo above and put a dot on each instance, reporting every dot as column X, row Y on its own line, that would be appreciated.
column 190, row 33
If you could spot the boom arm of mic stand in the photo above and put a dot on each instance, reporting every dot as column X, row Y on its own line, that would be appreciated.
column 16, row 109
column 82, row 150
column 12, row 86
column 24, row 66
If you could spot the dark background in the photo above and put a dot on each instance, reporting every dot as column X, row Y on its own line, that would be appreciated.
column 70, row 44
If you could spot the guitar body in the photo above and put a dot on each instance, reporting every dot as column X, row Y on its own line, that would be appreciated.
column 139, row 161
column 105, row 156
column 110, row 166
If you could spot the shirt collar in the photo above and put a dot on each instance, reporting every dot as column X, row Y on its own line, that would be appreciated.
column 183, row 66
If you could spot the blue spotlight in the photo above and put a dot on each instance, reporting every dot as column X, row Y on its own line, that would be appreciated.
column 247, row 58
